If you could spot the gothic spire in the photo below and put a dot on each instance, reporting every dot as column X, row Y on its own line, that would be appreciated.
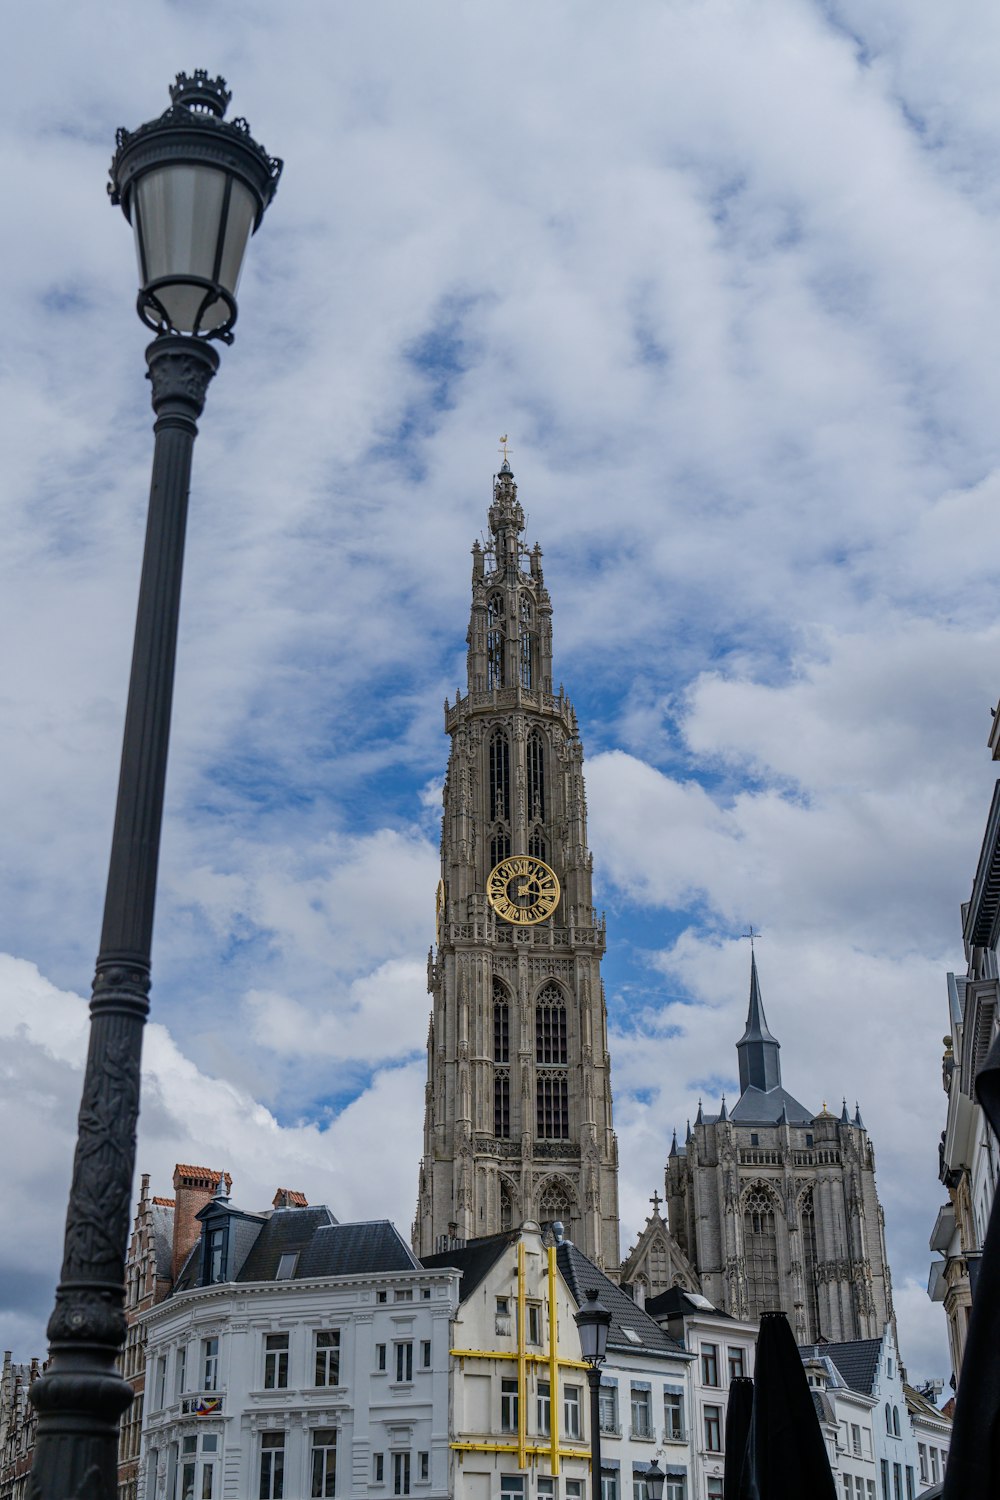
column 506, row 521
column 760, row 1067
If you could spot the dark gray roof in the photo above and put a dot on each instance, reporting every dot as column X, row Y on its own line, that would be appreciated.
column 161, row 1219
column 286, row 1230
column 582, row 1276
column 675, row 1302
column 755, row 1107
column 354, row 1250
column 475, row 1258
column 857, row 1361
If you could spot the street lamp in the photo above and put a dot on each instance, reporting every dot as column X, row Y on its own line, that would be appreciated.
column 655, row 1480
column 194, row 186
column 593, row 1321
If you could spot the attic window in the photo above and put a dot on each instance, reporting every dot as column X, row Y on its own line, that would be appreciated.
column 631, row 1335
column 286, row 1266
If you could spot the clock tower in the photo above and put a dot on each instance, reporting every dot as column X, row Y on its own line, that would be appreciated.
column 517, row 1121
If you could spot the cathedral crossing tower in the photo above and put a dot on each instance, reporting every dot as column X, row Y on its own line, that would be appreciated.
column 518, row 1104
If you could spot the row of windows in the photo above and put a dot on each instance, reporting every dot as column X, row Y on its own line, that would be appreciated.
column 932, row 1462
column 641, row 1415
column 711, row 1364
column 856, row 1488
column 897, row 1492
column 499, row 793
column 760, row 1245
column 675, row 1487
column 192, row 1468
column 551, row 1052
column 571, row 1408
column 324, row 1367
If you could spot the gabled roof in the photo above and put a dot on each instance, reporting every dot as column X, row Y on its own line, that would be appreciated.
column 857, row 1360
column 632, row 1329
column 475, row 1259
column 161, row 1221
column 675, row 1302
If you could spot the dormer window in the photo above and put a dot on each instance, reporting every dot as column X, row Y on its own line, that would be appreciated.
column 286, row 1266
column 215, row 1256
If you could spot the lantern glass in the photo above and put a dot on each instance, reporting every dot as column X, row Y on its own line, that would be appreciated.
column 189, row 235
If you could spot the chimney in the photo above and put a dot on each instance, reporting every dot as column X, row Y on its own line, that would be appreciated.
column 288, row 1198
column 193, row 1188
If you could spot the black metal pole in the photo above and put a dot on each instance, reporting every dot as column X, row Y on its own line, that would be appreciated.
column 81, row 1396
column 594, row 1380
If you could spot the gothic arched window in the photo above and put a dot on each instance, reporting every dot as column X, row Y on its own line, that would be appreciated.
column 536, row 777
column 506, row 1205
column 494, row 641
column 550, row 1027
column 499, row 776
column 527, row 643
column 501, row 1057
column 760, row 1244
column 807, row 1224
column 554, row 1205
column 552, row 1105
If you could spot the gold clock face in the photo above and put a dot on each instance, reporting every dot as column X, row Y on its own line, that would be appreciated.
column 523, row 890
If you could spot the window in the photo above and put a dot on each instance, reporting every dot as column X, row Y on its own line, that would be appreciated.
column 501, row 1057
column 911, row 1488
column 380, row 1363
column 404, row 1361
column 275, row 1361
column 272, row 1465
column 935, row 1469
column 715, row 1489
column 506, row 1205
column 286, row 1266
column 761, row 1249
column 378, row 1468
column 400, row 1473
column 709, row 1364
column 571, row 1411
column 642, row 1412
column 425, row 1294
column 382, row 1295
column 324, row 1463
column 503, row 1321
column 609, row 1408
column 885, row 1480
column 871, row 1490
column 848, row 1486
column 754, row 1138
column 895, row 1421
column 673, row 1417
column 511, row 1487
column 494, row 641
column 550, row 1027
column 925, row 1473
column 676, row 1488
column 713, row 1429
column 639, row 1490
column 534, row 1323
column 897, row 1481
column 499, row 777
column 527, row 651
column 737, row 1364
column 544, row 1410
column 180, row 1366
column 210, row 1364
column 536, row 777
column 215, row 1267
column 552, row 1106
column 403, row 1294
column 855, row 1439
column 508, row 1406
column 423, row 1466
column 160, row 1383
column 328, row 1357
column 810, row 1262
column 546, row 1488
column 609, row 1484
column 574, row 1489
column 425, row 1354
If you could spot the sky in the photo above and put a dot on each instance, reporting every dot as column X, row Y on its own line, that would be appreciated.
column 727, row 274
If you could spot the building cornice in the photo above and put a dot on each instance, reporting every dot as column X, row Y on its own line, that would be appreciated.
column 981, row 918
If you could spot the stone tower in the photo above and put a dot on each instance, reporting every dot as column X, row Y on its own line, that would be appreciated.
column 517, row 1120
column 776, row 1207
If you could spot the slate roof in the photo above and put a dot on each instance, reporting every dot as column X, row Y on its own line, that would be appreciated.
column 582, row 1276
column 857, row 1360
column 675, row 1302
column 286, row 1229
column 352, row 1249
column 475, row 1259
column 755, row 1107
column 161, row 1219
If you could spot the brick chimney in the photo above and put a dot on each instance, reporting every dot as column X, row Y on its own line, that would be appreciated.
column 289, row 1198
column 193, row 1188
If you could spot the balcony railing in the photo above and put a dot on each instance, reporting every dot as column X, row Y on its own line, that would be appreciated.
column 675, row 1435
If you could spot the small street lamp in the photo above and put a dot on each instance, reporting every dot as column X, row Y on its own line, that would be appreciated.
column 593, row 1321
column 655, row 1480
column 193, row 186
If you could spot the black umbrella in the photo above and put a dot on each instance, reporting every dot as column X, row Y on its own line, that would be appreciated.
column 738, row 1414
column 973, row 1471
column 786, row 1457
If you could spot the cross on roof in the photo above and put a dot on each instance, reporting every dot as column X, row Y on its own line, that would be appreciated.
column 751, row 934
column 656, row 1200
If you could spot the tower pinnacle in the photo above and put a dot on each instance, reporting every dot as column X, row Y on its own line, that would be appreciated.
column 760, row 1066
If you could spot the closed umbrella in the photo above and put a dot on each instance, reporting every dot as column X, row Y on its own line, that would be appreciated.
column 738, row 1414
column 786, row 1456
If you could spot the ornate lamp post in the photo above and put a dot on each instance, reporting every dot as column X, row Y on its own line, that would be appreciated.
column 193, row 186
column 593, row 1321
column 655, row 1480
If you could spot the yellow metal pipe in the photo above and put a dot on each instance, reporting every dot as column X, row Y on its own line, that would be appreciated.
column 522, row 1363
column 553, row 1364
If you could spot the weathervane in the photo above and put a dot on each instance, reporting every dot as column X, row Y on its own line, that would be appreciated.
column 503, row 450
